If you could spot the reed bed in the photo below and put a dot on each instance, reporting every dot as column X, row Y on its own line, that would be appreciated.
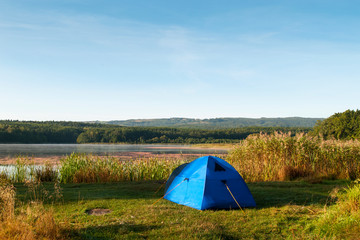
column 81, row 168
column 281, row 156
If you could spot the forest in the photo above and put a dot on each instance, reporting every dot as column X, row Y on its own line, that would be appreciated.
column 77, row 132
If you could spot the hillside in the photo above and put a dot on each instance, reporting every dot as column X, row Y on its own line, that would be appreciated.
column 218, row 122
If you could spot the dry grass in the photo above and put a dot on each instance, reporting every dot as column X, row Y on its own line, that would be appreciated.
column 32, row 221
column 7, row 200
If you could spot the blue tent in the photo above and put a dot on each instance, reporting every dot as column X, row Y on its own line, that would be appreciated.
column 207, row 183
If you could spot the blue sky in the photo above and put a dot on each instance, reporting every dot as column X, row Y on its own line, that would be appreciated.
column 111, row 60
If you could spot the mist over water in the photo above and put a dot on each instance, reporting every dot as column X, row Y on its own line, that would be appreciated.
column 47, row 150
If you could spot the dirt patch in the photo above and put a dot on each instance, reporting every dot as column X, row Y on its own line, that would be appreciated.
column 98, row 211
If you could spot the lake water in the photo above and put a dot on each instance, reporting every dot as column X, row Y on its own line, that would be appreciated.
column 44, row 150
column 60, row 150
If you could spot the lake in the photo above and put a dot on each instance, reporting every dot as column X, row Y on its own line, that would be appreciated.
column 59, row 150
column 51, row 153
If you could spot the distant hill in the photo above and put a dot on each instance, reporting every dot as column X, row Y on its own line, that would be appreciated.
column 217, row 122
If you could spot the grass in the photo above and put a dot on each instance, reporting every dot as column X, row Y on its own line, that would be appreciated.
column 285, row 210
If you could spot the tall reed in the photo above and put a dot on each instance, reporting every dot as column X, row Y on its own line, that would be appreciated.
column 78, row 168
column 280, row 156
column 22, row 168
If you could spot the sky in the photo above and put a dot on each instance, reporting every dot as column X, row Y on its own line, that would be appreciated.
column 75, row 60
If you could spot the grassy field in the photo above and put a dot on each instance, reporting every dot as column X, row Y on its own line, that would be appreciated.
column 285, row 210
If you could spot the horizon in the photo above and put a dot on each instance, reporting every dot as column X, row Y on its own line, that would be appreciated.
column 67, row 60
column 135, row 119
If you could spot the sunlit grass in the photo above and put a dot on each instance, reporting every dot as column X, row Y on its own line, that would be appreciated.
column 341, row 220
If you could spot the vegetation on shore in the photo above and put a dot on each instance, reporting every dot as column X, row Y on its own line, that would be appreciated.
column 261, row 157
column 80, row 168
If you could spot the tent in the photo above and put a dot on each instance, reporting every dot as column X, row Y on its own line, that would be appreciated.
column 208, row 183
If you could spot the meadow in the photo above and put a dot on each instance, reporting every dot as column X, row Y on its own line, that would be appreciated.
column 304, row 187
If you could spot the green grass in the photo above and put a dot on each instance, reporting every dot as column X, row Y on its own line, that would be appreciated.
column 285, row 210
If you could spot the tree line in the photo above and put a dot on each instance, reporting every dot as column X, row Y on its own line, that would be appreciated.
column 79, row 132
column 345, row 125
